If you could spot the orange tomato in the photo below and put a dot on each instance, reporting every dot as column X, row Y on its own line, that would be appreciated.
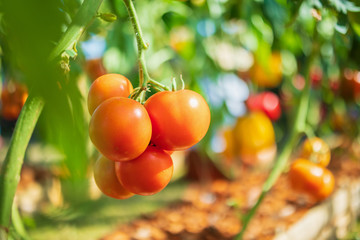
column 107, row 86
column 95, row 68
column 179, row 119
column 270, row 75
column 317, row 151
column 147, row 174
column 106, row 180
column 120, row 128
column 255, row 138
column 312, row 179
column 13, row 97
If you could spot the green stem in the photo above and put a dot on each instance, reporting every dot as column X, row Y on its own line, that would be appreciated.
column 158, row 85
column 10, row 172
column 144, row 77
column 18, row 224
column 85, row 15
column 298, row 128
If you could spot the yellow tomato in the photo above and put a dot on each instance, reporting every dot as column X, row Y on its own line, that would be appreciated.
column 317, row 151
column 269, row 75
column 255, row 139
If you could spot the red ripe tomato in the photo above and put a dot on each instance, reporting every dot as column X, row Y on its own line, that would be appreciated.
column 106, row 180
column 179, row 119
column 316, row 75
column 107, row 86
column 147, row 174
column 95, row 68
column 120, row 128
column 311, row 178
column 268, row 102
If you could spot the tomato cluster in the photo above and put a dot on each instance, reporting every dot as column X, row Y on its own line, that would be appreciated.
column 308, row 174
column 136, row 140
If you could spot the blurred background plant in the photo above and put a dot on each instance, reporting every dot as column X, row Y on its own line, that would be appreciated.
column 249, row 59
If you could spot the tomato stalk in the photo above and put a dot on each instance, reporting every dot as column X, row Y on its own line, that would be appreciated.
column 299, row 128
column 144, row 77
column 10, row 171
column 84, row 17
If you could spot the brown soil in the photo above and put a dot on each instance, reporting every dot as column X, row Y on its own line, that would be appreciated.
column 213, row 211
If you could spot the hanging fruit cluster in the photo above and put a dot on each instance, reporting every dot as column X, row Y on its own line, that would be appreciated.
column 308, row 174
column 136, row 140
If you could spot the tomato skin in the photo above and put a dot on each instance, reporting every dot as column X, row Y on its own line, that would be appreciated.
column 179, row 119
column 316, row 75
column 267, row 102
column 317, row 151
column 147, row 174
column 106, row 180
column 107, row 86
column 120, row 128
column 13, row 97
column 310, row 178
column 95, row 68
column 254, row 134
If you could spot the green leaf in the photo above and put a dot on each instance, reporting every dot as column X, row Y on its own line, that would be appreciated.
column 108, row 17
column 344, row 6
column 342, row 25
column 354, row 19
column 71, row 53
column 351, row 7
column 339, row 5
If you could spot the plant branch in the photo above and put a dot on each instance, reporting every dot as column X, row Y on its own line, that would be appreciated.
column 85, row 15
column 10, row 172
column 298, row 128
column 144, row 77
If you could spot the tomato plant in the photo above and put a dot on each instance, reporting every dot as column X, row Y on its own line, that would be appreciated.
column 180, row 119
column 268, row 102
column 106, row 180
column 255, row 138
column 120, row 129
column 316, row 150
column 312, row 179
column 147, row 174
column 107, row 86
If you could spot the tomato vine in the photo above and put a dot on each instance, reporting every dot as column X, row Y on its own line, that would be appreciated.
column 144, row 77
